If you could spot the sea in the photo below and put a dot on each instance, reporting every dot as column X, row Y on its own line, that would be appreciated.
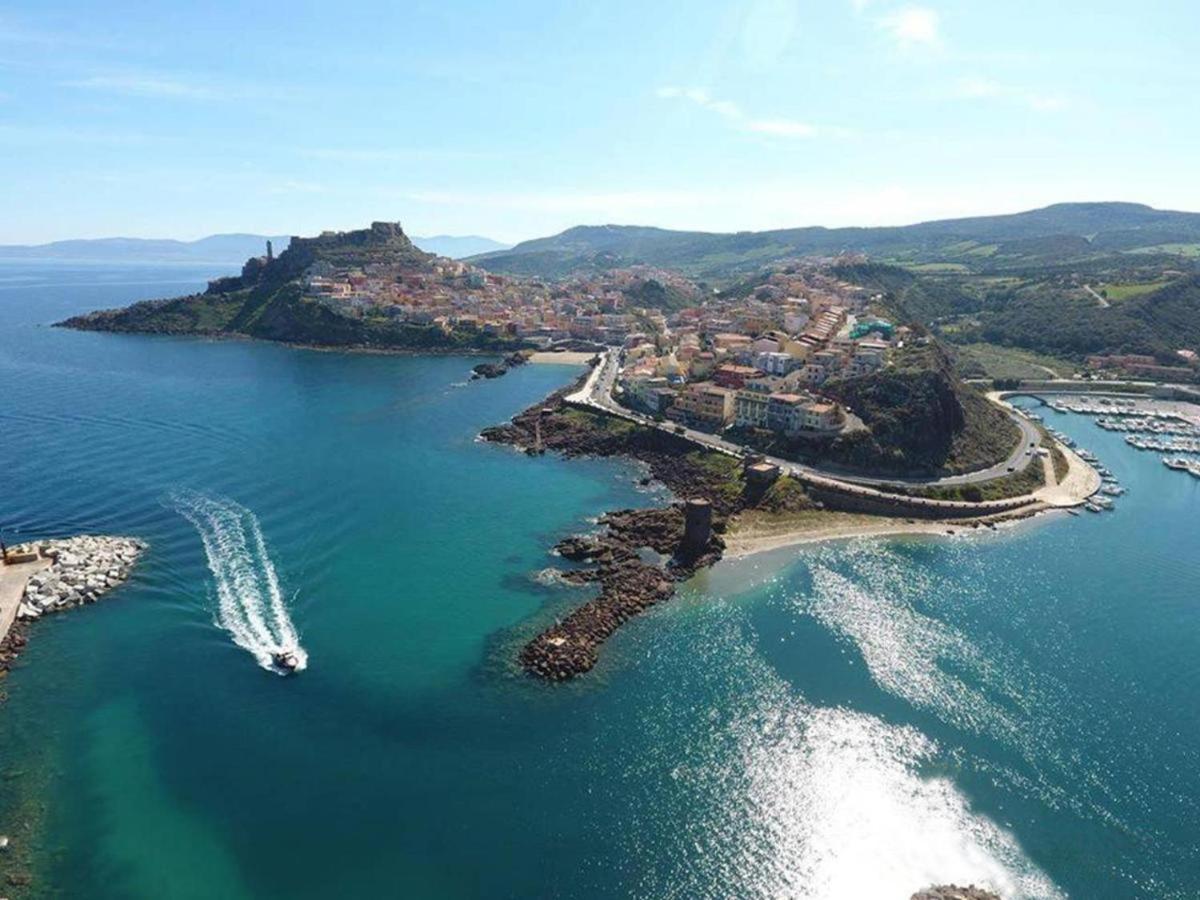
column 855, row 719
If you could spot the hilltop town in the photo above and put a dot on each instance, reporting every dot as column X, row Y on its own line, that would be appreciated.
column 757, row 360
column 754, row 357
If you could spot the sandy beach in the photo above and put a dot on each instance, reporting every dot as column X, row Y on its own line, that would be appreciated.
column 753, row 533
column 755, row 537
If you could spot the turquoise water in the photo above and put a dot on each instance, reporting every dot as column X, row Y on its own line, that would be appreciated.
column 853, row 720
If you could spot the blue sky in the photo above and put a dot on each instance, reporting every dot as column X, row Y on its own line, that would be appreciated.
column 519, row 119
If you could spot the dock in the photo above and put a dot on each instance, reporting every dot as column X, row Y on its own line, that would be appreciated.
column 13, row 578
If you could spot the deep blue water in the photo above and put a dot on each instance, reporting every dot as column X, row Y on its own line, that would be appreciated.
column 852, row 720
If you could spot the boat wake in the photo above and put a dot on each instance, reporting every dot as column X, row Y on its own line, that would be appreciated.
column 250, row 604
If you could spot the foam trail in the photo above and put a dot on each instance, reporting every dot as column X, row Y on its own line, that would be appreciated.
column 250, row 603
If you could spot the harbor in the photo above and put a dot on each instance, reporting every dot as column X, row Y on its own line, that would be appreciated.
column 1161, row 426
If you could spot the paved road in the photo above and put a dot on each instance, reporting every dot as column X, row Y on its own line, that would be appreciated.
column 597, row 393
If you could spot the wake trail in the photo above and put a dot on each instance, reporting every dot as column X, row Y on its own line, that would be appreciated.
column 250, row 603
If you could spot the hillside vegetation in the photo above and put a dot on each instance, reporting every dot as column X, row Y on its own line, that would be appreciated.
column 1043, row 313
column 1063, row 234
column 921, row 419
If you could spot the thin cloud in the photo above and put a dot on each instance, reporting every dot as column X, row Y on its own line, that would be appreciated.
column 733, row 113
column 781, row 128
column 701, row 98
column 912, row 27
column 161, row 86
column 987, row 90
column 143, row 86
column 36, row 135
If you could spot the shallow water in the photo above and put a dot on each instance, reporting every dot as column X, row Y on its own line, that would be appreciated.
column 851, row 720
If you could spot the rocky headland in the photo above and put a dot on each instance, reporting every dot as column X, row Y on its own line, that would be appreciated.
column 76, row 571
column 682, row 537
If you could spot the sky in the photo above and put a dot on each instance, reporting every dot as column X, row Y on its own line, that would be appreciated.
column 519, row 119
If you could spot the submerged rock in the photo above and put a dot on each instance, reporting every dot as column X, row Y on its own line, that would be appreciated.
column 488, row 370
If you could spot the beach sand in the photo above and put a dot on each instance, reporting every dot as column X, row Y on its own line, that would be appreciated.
column 762, row 536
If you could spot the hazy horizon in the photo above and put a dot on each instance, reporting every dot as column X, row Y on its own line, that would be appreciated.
column 476, row 235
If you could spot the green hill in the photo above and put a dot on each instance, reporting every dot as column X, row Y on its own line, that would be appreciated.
column 1054, row 235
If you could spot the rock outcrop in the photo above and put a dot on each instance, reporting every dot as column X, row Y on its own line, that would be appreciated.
column 715, row 485
column 953, row 892
column 628, row 584
column 82, row 569
column 495, row 370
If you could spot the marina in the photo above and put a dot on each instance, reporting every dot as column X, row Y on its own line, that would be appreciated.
column 1165, row 427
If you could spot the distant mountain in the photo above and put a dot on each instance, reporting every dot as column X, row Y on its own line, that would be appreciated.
column 459, row 247
column 219, row 249
column 1058, row 234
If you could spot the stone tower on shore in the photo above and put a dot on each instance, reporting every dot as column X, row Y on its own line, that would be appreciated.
column 697, row 526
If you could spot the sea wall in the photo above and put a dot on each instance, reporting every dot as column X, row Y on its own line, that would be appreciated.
column 79, row 570
column 895, row 505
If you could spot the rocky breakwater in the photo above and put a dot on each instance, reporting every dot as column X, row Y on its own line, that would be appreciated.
column 954, row 892
column 629, row 584
column 686, row 537
column 80, row 571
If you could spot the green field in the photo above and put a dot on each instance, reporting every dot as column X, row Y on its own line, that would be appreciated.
column 1192, row 251
column 1010, row 362
column 934, row 268
column 1118, row 292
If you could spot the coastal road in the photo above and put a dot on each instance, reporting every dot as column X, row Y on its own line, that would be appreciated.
column 597, row 393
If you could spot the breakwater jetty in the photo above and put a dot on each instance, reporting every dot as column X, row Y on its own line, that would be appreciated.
column 45, row 577
column 954, row 892
column 628, row 584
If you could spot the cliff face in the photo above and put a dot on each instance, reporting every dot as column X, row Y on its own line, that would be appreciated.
column 917, row 411
column 921, row 418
